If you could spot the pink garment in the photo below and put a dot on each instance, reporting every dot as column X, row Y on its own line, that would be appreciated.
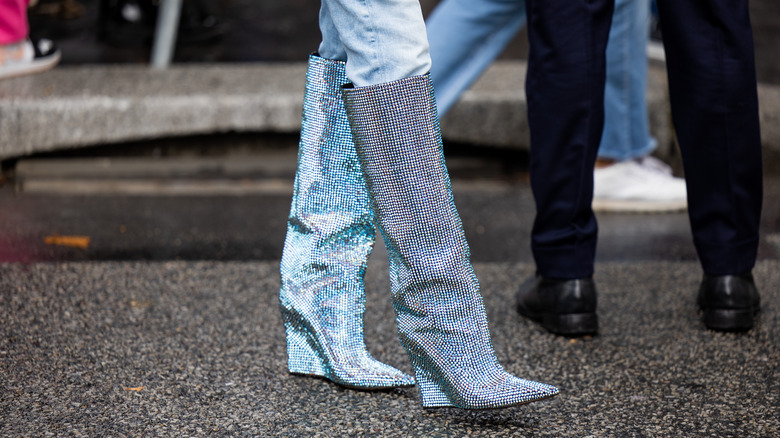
column 13, row 21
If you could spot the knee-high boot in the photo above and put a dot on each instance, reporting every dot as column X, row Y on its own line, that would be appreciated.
column 330, row 234
column 440, row 313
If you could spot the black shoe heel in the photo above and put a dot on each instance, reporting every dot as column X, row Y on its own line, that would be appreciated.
column 734, row 320
column 571, row 324
column 563, row 307
column 729, row 302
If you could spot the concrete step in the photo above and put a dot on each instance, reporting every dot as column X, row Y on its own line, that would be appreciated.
column 91, row 105
column 267, row 174
column 73, row 107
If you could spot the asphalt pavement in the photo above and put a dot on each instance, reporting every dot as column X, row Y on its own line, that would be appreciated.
column 197, row 349
column 165, row 321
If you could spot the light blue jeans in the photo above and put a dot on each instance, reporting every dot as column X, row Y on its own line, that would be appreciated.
column 465, row 36
column 380, row 40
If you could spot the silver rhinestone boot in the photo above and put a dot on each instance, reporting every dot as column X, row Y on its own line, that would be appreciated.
column 330, row 234
column 440, row 313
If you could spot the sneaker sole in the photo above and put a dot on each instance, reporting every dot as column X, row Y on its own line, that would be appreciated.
column 656, row 52
column 629, row 206
column 36, row 66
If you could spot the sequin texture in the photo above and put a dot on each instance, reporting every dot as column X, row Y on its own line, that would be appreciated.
column 440, row 312
column 330, row 234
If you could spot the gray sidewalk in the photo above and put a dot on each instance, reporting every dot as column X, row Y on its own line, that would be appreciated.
column 90, row 105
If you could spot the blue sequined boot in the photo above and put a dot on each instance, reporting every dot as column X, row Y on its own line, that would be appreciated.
column 440, row 313
column 330, row 234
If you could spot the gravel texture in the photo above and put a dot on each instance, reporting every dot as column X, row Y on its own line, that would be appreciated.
column 197, row 349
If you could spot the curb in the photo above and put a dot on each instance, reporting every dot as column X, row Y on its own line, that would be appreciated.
column 71, row 107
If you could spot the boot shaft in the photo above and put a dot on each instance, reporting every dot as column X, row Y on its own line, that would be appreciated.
column 440, row 313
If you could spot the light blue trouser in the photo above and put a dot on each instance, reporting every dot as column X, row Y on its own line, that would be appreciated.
column 467, row 35
column 380, row 40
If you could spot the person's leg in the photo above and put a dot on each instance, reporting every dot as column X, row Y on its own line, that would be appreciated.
column 20, row 55
column 713, row 90
column 626, row 178
column 330, row 235
column 626, row 131
column 712, row 82
column 392, row 113
column 465, row 36
column 565, row 89
column 13, row 21
column 380, row 42
column 330, row 47
column 441, row 316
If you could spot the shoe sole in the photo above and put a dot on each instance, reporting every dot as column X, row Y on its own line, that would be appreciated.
column 629, row 206
column 571, row 324
column 38, row 66
column 567, row 324
column 729, row 320
column 656, row 52
column 348, row 386
column 489, row 408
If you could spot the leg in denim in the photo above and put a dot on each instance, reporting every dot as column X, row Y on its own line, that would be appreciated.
column 626, row 131
column 465, row 37
column 382, row 40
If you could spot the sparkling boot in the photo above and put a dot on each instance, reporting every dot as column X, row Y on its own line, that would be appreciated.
column 330, row 234
column 440, row 313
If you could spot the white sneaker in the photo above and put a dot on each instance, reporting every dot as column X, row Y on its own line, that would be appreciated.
column 652, row 163
column 26, row 57
column 655, row 51
column 644, row 185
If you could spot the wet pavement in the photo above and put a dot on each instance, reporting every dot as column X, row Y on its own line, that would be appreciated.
column 226, row 197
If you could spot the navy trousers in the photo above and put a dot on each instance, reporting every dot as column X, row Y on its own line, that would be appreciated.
column 712, row 82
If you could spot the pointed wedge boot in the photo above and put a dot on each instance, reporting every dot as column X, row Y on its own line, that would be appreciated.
column 330, row 234
column 440, row 313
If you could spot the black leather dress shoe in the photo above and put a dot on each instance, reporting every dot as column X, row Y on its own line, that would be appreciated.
column 729, row 302
column 564, row 307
